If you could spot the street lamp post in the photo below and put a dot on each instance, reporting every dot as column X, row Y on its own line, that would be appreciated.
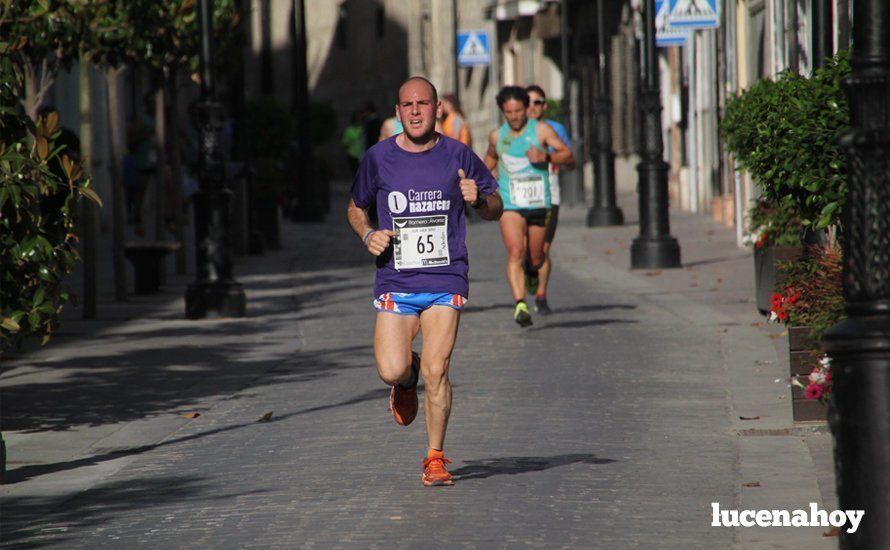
column 215, row 293
column 604, row 211
column 654, row 247
column 859, row 346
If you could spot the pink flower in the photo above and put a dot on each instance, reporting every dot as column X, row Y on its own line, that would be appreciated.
column 814, row 391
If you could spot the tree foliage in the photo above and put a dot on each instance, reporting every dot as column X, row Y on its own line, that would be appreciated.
column 37, row 240
column 42, row 37
column 785, row 132
column 159, row 34
column 37, row 39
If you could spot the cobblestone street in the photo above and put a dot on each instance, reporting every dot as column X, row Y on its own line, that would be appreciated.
column 609, row 424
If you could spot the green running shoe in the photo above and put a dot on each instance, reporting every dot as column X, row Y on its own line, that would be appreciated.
column 521, row 315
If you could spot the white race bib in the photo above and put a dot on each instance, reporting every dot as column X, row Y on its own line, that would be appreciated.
column 527, row 190
column 420, row 242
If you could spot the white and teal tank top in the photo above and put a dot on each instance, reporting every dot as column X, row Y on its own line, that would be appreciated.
column 522, row 185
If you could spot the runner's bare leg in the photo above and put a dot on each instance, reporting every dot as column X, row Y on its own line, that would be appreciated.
column 393, row 335
column 536, row 236
column 513, row 230
column 439, row 325
column 544, row 271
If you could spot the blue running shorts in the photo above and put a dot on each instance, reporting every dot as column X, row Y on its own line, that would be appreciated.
column 413, row 303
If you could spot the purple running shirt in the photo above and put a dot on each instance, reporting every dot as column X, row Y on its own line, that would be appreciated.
column 417, row 195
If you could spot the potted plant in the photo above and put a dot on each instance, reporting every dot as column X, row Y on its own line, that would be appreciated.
column 811, row 302
column 784, row 133
column 774, row 237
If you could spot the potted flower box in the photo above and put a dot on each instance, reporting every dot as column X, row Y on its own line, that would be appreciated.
column 805, row 356
column 766, row 271
column 810, row 302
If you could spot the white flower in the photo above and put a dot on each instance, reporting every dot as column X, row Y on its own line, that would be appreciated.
column 817, row 377
column 825, row 361
column 773, row 316
column 751, row 238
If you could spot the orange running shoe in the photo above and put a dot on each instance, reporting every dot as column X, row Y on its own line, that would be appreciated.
column 402, row 402
column 434, row 472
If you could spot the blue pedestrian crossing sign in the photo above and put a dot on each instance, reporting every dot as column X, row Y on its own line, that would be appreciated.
column 694, row 14
column 665, row 35
column 472, row 49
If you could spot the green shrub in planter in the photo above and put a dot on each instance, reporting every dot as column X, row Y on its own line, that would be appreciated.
column 773, row 225
column 784, row 133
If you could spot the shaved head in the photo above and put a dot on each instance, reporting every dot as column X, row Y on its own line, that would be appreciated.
column 423, row 80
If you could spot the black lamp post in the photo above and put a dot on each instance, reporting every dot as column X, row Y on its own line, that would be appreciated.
column 215, row 293
column 654, row 247
column 859, row 346
column 604, row 211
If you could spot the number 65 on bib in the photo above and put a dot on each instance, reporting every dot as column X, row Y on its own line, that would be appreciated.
column 420, row 242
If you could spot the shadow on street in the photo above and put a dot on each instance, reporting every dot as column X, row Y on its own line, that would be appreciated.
column 513, row 465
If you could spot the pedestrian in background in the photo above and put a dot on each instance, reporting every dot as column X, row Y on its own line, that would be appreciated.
column 520, row 151
column 390, row 127
column 454, row 124
column 537, row 283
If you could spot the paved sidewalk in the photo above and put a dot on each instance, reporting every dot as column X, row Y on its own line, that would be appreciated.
column 613, row 423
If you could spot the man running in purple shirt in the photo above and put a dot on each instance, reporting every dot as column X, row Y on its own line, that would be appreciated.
column 420, row 181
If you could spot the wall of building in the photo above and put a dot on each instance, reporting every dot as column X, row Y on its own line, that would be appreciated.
column 360, row 51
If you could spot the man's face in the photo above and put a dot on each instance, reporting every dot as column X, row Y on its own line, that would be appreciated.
column 536, row 105
column 417, row 109
column 515, row 113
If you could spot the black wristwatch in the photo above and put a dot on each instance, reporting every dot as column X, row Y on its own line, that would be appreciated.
column 480, row 200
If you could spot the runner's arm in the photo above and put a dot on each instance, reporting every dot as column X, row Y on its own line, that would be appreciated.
column 358, row 219
column 562, row 153
column 491, row 156
column 376, row 241
column 491, row 208
column 564, row 136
